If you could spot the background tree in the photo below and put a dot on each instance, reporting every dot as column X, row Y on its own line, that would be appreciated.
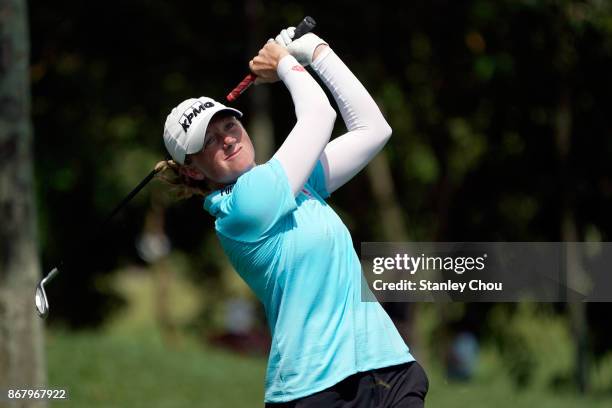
column 22, row 362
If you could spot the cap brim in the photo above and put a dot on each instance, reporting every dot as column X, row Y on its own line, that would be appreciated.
column 198, row 133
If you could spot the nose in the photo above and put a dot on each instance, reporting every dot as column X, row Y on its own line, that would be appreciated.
column 228, row 141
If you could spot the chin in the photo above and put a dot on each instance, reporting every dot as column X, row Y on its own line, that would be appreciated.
column 236, row 171
column 245, row 163
column 243, row 168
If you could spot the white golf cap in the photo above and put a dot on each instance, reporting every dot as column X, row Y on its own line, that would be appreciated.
column 185, row 127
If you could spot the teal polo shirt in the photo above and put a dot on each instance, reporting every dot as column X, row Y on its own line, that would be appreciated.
column 298, row 257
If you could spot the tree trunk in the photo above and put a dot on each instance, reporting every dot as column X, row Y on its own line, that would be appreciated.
column 394, row 230
column 391, row 216
column 21, row 331
column 569, row 233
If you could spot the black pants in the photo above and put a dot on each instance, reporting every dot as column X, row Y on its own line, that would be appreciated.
column 400, row 386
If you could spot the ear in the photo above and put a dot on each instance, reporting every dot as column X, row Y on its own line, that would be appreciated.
column 191, row 172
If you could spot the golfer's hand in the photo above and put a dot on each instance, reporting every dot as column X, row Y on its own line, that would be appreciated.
column 305, row 49
column 265, row 63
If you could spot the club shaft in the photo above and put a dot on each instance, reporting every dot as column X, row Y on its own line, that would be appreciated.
column 89, row 243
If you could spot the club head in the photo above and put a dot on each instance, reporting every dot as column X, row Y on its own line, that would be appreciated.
column 40, row 297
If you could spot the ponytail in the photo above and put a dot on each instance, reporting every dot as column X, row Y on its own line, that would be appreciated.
column 183, row 186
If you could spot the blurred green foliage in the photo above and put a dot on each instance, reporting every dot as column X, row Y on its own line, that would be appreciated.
column 535, row 344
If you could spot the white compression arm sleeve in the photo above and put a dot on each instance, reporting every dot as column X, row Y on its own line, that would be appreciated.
column 368, row 131
column 304, row 145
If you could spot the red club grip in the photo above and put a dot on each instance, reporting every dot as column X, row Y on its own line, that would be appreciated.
column 241, row 87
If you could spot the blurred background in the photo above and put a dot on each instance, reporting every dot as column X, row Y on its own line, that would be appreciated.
column 502, row 132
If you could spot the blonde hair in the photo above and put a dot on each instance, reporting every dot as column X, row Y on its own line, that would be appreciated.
column 183, row 186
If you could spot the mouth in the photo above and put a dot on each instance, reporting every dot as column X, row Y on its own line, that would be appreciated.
column 231, row 156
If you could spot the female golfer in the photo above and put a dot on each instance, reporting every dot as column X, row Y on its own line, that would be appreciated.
column 329, row 349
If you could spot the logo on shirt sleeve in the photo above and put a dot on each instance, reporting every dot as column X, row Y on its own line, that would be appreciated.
column 227, row 189
column 307, row 193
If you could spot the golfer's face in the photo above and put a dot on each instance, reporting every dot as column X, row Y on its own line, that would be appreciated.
column 228, row 151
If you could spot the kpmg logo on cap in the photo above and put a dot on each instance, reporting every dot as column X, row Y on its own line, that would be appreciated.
column 192, row 112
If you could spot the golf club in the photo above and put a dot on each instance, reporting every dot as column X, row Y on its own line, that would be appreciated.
column 40, row 297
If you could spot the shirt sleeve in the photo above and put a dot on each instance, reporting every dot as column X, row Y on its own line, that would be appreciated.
column 259, row 200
